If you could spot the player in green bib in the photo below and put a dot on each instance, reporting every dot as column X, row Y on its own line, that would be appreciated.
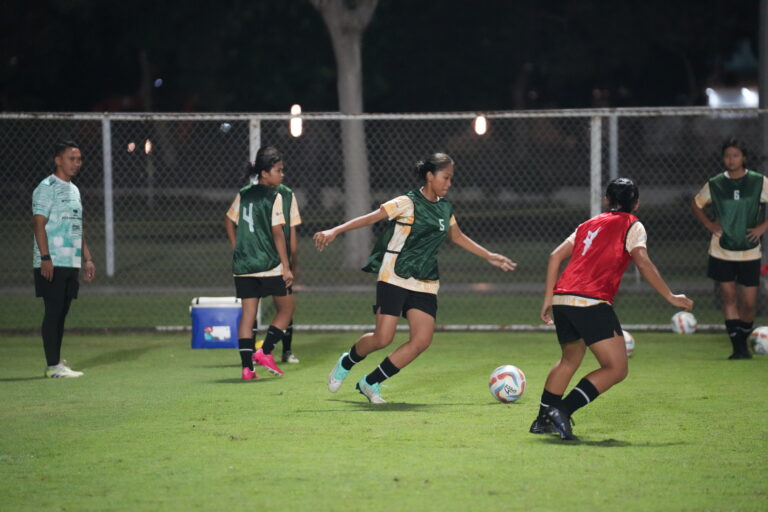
column 405, row 260
column 260, row 261
column 737, row 196
column 292, row 219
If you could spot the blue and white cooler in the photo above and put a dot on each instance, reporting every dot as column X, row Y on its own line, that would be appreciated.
column 215, row 321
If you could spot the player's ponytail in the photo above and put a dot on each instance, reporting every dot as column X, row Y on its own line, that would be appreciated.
column 622, row 194
column 434, row 163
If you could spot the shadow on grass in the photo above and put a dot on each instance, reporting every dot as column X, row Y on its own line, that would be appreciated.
column 18, row 379
column 118, row 356
column 236, row 380
column 363, row 406
column 611, row 443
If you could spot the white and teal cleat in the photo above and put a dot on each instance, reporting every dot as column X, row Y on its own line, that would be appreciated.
column 371, row 391
column 337, row 375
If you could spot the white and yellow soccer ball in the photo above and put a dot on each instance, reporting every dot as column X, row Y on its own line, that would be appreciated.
column 684, row 322
column 629, row 343
column 758, row 340
column 507, row 383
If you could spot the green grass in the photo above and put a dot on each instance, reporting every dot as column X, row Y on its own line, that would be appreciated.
column 154, row 425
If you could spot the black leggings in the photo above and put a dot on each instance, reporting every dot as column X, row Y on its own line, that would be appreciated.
column 57, row 295
column 56, row 309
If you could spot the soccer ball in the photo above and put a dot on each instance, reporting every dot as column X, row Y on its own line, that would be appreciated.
column 629, row 342
column 758, row 340
column 507, row 383
column 684, row 323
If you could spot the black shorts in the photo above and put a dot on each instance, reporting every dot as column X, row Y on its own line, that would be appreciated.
column 592, row 323
column 258, row 287
column 65, row 283
column 746, row 273
column 396, row 301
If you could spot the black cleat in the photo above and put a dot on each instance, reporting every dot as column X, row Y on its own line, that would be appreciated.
column 740, row 349
column 561, row 421
column 542, row 425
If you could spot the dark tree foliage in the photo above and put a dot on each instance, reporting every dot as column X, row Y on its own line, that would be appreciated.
column 239, row 55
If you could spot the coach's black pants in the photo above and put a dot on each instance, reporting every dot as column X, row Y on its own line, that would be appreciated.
column 57, row 296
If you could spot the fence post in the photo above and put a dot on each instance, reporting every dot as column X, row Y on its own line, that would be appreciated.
column 595, row 170
column 254, row 137
column 613, row 146
column 254, row 143
column 109, row 211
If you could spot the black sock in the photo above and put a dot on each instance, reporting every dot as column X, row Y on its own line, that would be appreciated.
column 548, row 400
column 274, row 335
column 288, row 338
column 744, row 329
column 732, row 327
column 384, row 371
column 584, row 393
column 351, row 359
column 246, row 352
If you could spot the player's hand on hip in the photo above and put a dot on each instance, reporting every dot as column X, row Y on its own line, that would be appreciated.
column 682, row 302
column 288, row 277
column 501, row 261
column 754, row 234
column 324, row 238
column 46, row 270
column 90, row 271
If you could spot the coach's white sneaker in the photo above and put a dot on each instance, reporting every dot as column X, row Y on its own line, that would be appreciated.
column 337, row 375
column 61, row 371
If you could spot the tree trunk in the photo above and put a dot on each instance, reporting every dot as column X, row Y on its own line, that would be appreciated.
column 346, row 22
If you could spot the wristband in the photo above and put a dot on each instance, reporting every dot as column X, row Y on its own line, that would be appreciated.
column 45, row 257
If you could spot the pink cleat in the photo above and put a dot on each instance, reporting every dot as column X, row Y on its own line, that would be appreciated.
column 249, row 374
column 267, row 361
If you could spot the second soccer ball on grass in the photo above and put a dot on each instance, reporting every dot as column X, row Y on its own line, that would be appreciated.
column 684, row 323
column 758, row 340
column 507, row 383
column 629, row 342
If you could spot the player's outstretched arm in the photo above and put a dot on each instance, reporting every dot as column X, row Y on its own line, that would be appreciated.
column 651, row 274
column 324, row 238
column 556, row 259
column 469, row 245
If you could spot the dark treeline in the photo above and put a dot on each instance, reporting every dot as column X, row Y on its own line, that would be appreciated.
column 238, row 55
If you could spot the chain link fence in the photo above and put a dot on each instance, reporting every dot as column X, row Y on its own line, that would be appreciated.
column 156, row 189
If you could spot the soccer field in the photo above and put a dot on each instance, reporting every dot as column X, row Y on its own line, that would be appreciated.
column 154, row 425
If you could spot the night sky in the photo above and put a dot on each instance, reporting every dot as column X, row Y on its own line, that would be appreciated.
column 430, row 55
